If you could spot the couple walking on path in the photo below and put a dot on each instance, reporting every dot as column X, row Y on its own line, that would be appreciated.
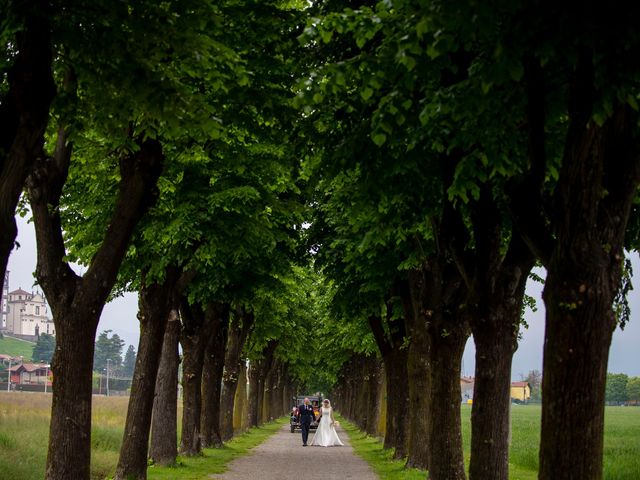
column 325, row 435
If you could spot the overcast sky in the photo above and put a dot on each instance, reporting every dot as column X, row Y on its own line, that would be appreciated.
column 120, row 316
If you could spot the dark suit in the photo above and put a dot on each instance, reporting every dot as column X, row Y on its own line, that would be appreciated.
column 305, row 412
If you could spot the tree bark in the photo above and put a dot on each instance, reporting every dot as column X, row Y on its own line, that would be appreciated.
column 240, row 400
column 581, row 243
column 70, row 427
column 371, row 427
column 257, row 374
column 155, row 304
column 395, row 360
column 583, row 277
column 163, row 448
column 496, row 281
column 495, row 323
column 194, row 338
column 212, row 376
column 77, row 302
column 24, row 114
column 434, row 312
column 239, row 328
column 418, row 371
column 447, row 344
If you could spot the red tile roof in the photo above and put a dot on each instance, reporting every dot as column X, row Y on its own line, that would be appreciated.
column 519, row 384
column 28, row 367
column 19, row 292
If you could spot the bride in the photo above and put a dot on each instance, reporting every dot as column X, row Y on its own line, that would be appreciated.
column 326, row 435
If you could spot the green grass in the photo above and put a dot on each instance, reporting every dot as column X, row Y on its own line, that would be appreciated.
column 24, row 430
column 16, row 348
column 621, row 445
column 216, row 460
column 24, row 425
column 371, row 450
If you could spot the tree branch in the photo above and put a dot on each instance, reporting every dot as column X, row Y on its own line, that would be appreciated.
column 375, row 322
column 139, row 175
column 45, row 189
column 24, row 114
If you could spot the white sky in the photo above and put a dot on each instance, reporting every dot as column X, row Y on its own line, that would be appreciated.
column 120, row 316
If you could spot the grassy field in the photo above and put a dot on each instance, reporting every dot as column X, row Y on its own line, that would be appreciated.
column 16, row 348
column 24, row 420
column 621, row 445
column 24, row 424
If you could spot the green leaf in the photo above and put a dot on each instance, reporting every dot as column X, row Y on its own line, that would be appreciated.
column 326, row 35
column 379, row 138
column 366, row 93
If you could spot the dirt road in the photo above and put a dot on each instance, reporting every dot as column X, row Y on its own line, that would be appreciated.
column 282, row 457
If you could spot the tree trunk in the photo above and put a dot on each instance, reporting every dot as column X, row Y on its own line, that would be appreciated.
column 580, row 324
column 239, row 327
column 394, row 356
column 254, row 393
column 437, row 293
column 373, row 403
column 194, row 338
column 69, row 451
column 496, row 280
column 397, row 400
column 272, row 372
column 257, row 373
column 491, row 405
column 163, row 448
column 445, row 435
column 212, row 377
column 24, row 115
column 581, row 243
column 495, row 319
column 418, row 371
column 77, row 302
column 240, row 400
column 156, row 301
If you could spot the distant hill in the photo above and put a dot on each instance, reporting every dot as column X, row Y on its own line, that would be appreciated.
column 16, row 348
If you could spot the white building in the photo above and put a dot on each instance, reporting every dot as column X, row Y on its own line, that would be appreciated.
column 27, row 314
column 3, row 301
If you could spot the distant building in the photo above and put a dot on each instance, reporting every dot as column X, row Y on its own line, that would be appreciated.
column 520, row 391
column 30, row 373
column 4, row 298
column 27, row 314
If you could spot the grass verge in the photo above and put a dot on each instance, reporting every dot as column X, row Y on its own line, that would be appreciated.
column 621, row 445
column 380, row 460
column 215, row 460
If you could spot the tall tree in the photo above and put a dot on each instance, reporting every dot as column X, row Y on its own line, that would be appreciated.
column 616, row 388
column 129, row 362
column 26, row 92
column 534, row 379
column 633, row 389
column 108, row 351
column 44, row 348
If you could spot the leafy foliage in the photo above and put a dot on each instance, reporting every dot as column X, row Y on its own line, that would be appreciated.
column 616, row 389
column 129, row 362
column 107, row 348
column 44, row 348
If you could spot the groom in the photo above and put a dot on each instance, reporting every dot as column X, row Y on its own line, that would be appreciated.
column 305, row 411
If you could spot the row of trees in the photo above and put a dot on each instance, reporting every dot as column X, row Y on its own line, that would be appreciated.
column 426, row 154
column 154, row 142
column 454, row 146
column 109, row 348
column 622, row 388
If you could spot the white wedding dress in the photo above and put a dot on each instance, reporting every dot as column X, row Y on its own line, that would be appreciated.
column 326, row 435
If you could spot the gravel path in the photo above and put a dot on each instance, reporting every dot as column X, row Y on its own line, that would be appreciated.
column 283, row 457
